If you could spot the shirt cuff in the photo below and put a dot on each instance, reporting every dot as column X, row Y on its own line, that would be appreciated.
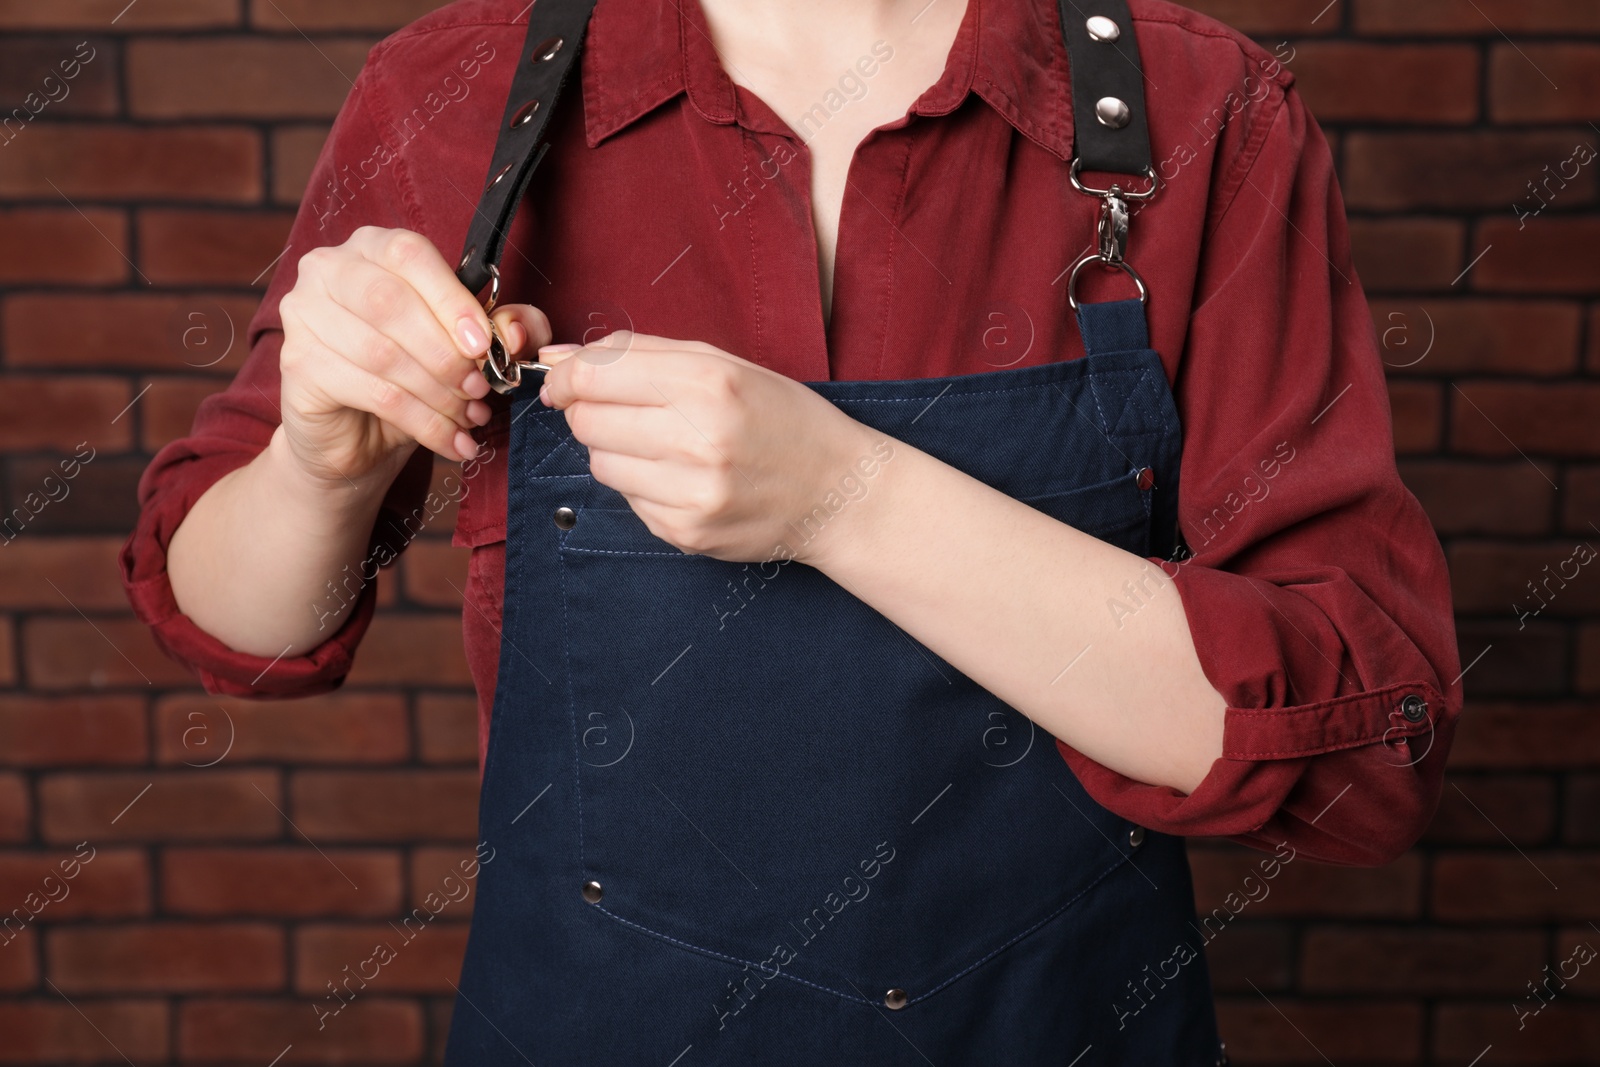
column 1284, row 764
column 225, row 671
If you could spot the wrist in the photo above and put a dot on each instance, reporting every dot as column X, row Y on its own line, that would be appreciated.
column 340, row 497
column 848, row 496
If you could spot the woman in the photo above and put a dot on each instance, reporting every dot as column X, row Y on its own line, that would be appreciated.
column 828, row 516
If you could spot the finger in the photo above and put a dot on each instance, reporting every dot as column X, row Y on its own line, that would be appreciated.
column 350, row 386
column 650, row 433
column 649, row 378
column 414, row 258
column 358, row 342
column 522, row 326
column 391, row 306
column 637, row 478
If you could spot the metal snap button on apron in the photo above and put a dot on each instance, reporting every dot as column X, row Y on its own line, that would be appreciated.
column 566, row 518
column 895, row 999
column 1136, row 836
column 1414, row 708
column 1103, row 29
column 1145, row 478
column 1112, row 112
column 592, row 891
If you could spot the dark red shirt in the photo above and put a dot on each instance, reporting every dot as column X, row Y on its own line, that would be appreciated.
column 673, row 202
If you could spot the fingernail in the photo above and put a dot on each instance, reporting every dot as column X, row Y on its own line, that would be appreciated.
column 557, row 349
column 479, row 413
column 466, row 447
column 544, row 395
column 476, row 385
column 472, row 338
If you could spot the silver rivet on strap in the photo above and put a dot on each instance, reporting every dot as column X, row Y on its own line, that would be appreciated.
column 547, row 49
column 1112, row 112
column 1103, row 29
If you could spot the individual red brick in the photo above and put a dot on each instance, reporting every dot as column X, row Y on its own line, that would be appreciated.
column 1250, row 953
column 181, row 333
column 73, row 652
column 343, row 727
column 1504, row 659
column 1302, row 888
column 1583, row 809
column 426, row 957
column 1481, row 18
column 440, row 1009
column 82, row 66
column 1581, row 495
column 1506, row 887
column 210, row 247
column 1388, row 83
column 45, row 245
column 435, row 574
column 50, row 1030
column 1546, row 255
column 1298, row 18
column 307, row 15
column 1489, row 576
column 294, row 153
column 1505, row 418
column 280, row 882
column 1416, row 409
column 1420, row 170
column 1353, row 959
column 241, row 77
column 1477, row 336
column 54, row 574
column 1503, row 736
column 16, row 810
column 187, row 805
column 1567, row 942
column 448, row 489
column 1483, row 498
column 385, row 805
column 1407, row 255
column 1491, row 809
column 1587, row 676
column 57, row 412
column 166, row 958
column 38, row 731
column 1544, row 82
column 1563, row 1032
column 85, row 881
column 167, row 411
column 102, row 497
column 119, row 15
column 367, row 1030
column 8, row 662
column 447, row 728
column 1594, row 341
column 412, row 650
column 108, row 162
column 449, row 874
column 19, row 963
column 1286, row 1031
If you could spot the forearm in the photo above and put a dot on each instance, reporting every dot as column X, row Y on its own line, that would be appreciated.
column 252, row 561
column 1017, row 601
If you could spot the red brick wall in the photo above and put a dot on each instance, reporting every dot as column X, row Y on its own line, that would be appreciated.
column 138, row 215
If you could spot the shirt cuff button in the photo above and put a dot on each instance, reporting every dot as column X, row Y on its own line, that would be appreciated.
column 1414, row 708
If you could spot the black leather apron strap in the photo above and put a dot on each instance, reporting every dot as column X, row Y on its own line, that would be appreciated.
column 1108, row 112
column 549, row 56
column 1108, row 116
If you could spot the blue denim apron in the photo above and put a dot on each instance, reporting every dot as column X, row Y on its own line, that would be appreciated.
column 739, row 817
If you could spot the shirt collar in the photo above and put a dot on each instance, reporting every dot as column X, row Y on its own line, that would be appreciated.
column 639, row 54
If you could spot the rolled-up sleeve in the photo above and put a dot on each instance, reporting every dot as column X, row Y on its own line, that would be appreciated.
column 232, row 427
column 1314, row 585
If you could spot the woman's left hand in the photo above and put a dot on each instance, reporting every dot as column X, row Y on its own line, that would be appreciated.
column 719, row 456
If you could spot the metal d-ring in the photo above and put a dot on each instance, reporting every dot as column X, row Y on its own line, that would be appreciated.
column 503, row 373
column 1126, row 194
column 1097, row 257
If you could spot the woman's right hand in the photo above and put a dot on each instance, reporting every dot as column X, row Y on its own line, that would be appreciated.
column 379, row 354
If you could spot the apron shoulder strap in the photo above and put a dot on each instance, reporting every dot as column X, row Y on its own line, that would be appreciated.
column 1108, row 119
